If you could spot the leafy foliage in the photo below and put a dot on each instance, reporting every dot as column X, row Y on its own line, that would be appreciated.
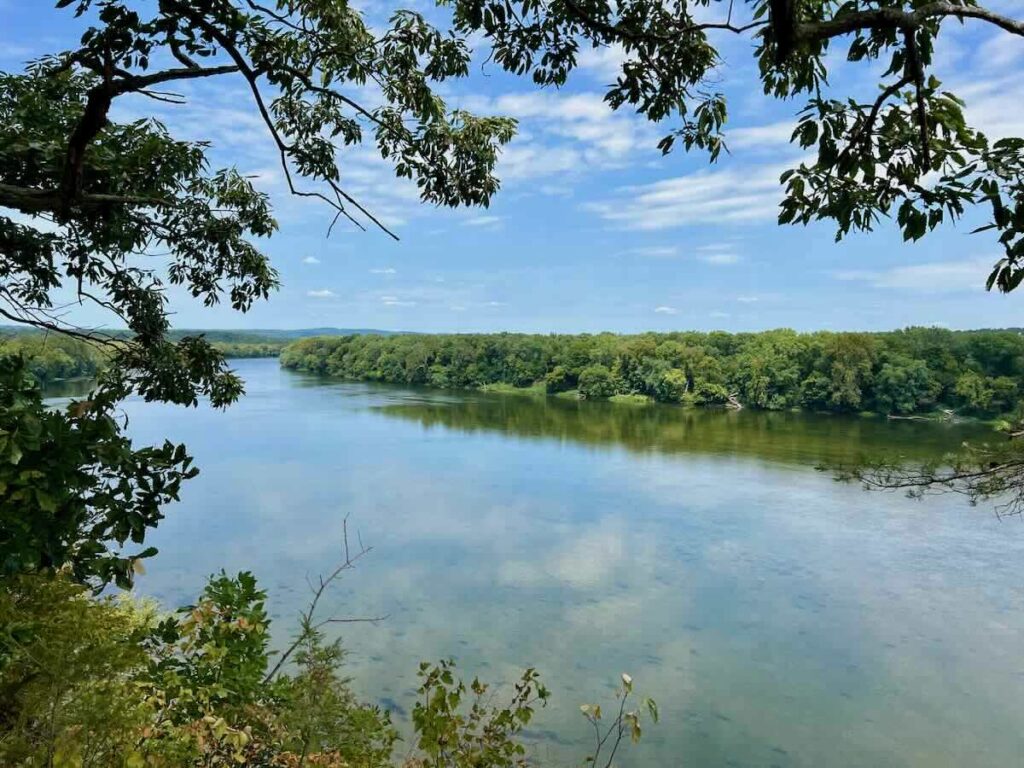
column 73, row 489
column 904, row 150
column 83, row 197
column 482, row 736
column 904, row 372
column 102, row 192
column 97, row 681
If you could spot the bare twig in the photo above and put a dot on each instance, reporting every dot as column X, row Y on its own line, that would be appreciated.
column 306, row 619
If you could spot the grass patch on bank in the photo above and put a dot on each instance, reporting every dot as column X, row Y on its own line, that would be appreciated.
column 534, row 390
column 631, row 399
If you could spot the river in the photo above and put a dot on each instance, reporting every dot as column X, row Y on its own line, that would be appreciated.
column 778, row 617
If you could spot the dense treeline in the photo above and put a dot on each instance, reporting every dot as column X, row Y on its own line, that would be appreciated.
column 238, row 349
column 54, row 357
column 902, row 372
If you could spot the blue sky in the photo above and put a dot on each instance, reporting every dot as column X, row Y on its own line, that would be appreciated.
column 594, row 229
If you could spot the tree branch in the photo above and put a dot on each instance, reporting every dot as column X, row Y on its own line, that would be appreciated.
column 33, row 201
column 895, row 18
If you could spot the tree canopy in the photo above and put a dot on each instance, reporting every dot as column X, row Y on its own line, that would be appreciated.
column 115, row 212
column 94, row 195
column 905, row 150
column 899, row 373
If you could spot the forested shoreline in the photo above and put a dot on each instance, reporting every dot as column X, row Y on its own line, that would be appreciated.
column 906, row 372
column 51, row 358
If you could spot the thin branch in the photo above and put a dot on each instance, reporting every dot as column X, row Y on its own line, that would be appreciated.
column 915, row 70
column 324, row 582
column 33, row 201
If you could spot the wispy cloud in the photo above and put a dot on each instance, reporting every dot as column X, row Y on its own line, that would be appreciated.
column 562, row 133
column 706, row 197
column 772, row 137
column 999, row 52
column 666, row 310
column 747, row 299
column 482, row 221
column 323, row 293
column 934, row 277
column 311, row 260
column 395, row 301
column 995, row 105
column 605, row 62
column 719, row 258
column 653, row 251
column 384, row 271
column 14, row 51
column 718, row 254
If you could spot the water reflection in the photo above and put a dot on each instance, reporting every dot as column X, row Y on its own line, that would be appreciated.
column 778, row 617
column 785, row 436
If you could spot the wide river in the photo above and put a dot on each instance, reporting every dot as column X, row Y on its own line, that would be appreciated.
column 778, row 617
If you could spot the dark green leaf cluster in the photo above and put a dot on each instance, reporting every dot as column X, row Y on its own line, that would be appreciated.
column 75, row 494
column 903, row 372
column 94, row 195
column 202, row 222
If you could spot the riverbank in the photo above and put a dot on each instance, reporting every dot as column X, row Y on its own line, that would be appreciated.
column 916, row 373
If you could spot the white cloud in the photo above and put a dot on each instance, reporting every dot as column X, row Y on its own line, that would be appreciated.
column 604, row 62
column 934, row 277
column 384, row 271
column 654, row 251
column 323, row 293
column 773, row 137
column 523, row 160
column 1000, row 52
column 706, row 197
column 719, row 314
column 311, row 260
column 746, row 299
column 555, row 190
column 394, row 301
column 482, row 221
column 719, row 258
column 585, row 117
column 666, row 310
column 564, row 133
column 995, row 105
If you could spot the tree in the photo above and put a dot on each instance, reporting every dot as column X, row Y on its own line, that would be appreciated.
column 596, row 381
column 905, row 150
column 904, row 386
column 82, row 196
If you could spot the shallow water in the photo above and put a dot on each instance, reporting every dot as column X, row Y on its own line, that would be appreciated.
column 778, row 617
